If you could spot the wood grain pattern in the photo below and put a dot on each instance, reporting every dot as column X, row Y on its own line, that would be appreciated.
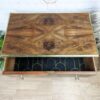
column 49, row 34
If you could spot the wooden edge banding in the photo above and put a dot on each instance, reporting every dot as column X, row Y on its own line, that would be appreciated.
column 25, row 73
column 96, row 63
column 5, row 63
column 49, row 73
column 76, row 72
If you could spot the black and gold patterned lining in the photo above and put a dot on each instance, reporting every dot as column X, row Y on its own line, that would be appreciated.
column 49, row 64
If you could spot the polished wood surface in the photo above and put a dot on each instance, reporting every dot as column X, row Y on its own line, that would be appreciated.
column 49, row 34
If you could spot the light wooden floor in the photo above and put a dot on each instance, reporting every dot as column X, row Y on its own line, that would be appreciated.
column 50, row 88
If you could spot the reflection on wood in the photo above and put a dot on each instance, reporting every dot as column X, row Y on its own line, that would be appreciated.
column 54, row 34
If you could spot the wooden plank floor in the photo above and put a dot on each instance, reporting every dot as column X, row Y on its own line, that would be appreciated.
column 50, row 34
column 49, row 88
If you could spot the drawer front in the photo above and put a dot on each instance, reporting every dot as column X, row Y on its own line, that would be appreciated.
column 45, row 66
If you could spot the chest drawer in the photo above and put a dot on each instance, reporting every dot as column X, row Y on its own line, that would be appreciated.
column 49, row 65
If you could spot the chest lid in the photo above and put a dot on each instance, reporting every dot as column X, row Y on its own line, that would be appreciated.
column 50, row 34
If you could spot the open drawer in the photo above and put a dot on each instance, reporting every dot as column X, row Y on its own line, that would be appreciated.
column 47, row 65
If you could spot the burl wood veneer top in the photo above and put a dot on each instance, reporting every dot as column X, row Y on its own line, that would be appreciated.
column 65, row 34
